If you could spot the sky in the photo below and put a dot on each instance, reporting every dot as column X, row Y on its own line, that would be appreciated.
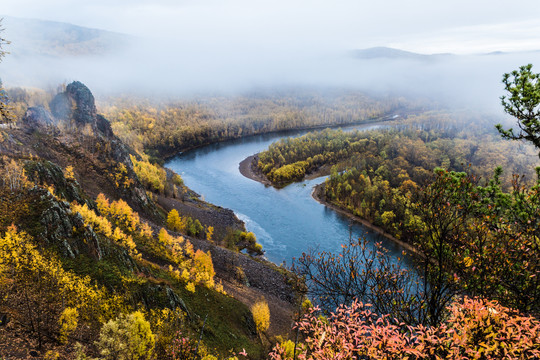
column 426, row 26
column 201, row 45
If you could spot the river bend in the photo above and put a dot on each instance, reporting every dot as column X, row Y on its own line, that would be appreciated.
column 286, row 221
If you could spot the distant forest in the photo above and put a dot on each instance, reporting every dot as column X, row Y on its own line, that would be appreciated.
column 368, row 168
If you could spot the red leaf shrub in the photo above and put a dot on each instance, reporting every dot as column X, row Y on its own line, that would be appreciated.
column 474, row 329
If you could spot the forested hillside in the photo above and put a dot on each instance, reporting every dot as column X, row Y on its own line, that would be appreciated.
column 163, row 128
column 122, row 224
column 371, row 172
column 96, row 241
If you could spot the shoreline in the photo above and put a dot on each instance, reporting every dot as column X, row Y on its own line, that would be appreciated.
column 171, row 153
column 315, row 195
column 247, row 170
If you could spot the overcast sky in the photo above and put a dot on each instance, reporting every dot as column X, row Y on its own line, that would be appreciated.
column 235, row 45
column 427, row 26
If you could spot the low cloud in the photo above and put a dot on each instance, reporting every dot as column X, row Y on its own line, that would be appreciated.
column 182, row 48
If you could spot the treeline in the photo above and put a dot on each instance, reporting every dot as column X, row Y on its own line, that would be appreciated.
column 162, row 128
column 409, row 151
column 374, row 173
column 475, row 226
column 375, row 181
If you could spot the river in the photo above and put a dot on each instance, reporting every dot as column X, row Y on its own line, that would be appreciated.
column 286, row 221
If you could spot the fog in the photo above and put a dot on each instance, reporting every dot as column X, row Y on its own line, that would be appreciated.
column 181, row 48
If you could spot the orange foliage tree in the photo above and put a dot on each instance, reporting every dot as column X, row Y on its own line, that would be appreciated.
column 475, row 329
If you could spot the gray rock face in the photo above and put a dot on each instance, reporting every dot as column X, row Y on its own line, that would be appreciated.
column 176, row 301
column 104, row 126
column 62, row 107
column 85, row 107
column 58, row 224
column 46, row 172
column 76, row 103
column 39, row 117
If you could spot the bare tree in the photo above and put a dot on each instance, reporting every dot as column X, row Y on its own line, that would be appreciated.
column 365, row 272
column 4, row 112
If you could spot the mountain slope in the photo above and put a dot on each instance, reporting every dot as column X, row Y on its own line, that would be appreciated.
column 30, row 37
column 87, row 237
column 396, row 54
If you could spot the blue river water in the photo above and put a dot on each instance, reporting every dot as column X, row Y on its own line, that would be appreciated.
column 286, row 221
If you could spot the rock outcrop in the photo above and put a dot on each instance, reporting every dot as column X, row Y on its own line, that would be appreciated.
column 77, row 106
column 84, row 111
column 39, row 117
column 60, row 228
column 76, row 103
column 62, row 106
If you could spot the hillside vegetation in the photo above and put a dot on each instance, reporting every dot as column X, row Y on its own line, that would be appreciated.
column 163, row 128
column 470, row 236
column 135, row 229
column 96, row 241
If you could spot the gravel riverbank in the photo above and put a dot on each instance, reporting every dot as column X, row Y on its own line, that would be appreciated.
column 249, row 169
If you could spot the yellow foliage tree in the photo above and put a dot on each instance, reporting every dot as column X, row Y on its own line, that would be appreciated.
column 103, row 204
column 125, row 240
column 129, row 337
column 68, row 173
column 37, row 290
column 209, row 233
column 90, row 218
column 152, row 176
column 164, row 237
column 203, row 268
column 103, row 226
column 13, row 175
column 121, row 214
column 120, row 177
column 261, row 315
column 174, row 221
column 68, row 323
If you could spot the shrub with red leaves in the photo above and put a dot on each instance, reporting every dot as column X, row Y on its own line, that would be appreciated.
column 474, row 329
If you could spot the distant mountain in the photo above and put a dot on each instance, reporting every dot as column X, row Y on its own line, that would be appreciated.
column 512, row 52
column 30, row 37
column 382, row 52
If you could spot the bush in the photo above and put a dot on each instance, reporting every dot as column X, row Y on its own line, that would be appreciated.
column 183, row 348
column 261, row 315
column 127, row 338
column 68, row 323
column 474, row 329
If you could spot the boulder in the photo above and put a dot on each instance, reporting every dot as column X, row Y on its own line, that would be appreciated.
column 62, row 106
column 39, row 117
column 104, row 126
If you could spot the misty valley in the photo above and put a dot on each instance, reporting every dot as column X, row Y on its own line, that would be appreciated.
column 385, row 205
